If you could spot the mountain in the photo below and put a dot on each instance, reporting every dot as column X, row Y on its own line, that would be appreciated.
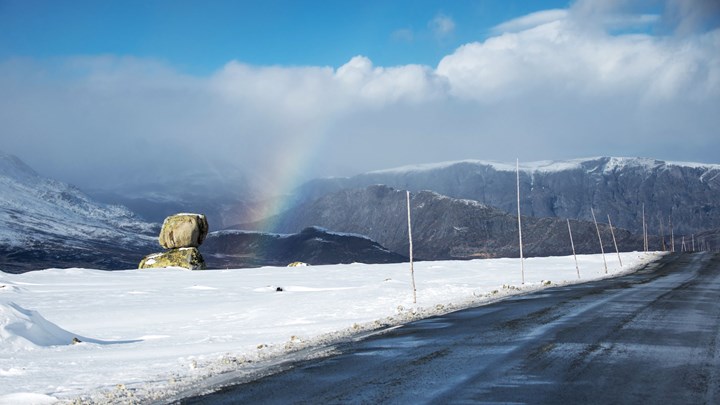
column 46, row 223
column 687, row 192
column 313, row 245
column 224, row 195
column 221, row 210
column 443, row 227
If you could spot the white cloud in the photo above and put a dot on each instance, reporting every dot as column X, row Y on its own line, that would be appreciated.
column 557, row 57
column 403, row 35
column 678, row 17
column 691, row 16
column 442, row 25
column 379, row 85
column 556, row 88
column 531, row 20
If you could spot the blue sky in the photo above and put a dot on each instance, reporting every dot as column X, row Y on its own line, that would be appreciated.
column 276, row 92
column 201, row 36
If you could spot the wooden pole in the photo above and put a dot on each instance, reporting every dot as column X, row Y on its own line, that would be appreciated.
column 412, row 271
column 614, row 241
column 522, row 264
column 602, row 251
column 577, row 268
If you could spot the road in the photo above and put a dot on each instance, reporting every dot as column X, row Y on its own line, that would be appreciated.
column 648, row 337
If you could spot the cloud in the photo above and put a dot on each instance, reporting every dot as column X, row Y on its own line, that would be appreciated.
column 442, row 26
column 678, row 17
column 544, row 88
column 403, row 35
column 556, row 57
column 531, row 20
column 692, row 16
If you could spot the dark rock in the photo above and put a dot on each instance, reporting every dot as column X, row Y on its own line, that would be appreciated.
column 315, row 246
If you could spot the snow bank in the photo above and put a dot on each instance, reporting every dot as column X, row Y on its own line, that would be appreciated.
column 149, row 334
column 22, row 329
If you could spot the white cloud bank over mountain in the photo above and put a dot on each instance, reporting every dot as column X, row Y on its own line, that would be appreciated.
column 554, row 84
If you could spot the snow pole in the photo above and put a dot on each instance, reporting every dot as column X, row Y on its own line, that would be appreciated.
column 614, row 241
column 522, row 263
column 572, row 244
column 662, row 233
column 645, row 241
column 412, row 271
column 597, row 228
column 672, row 235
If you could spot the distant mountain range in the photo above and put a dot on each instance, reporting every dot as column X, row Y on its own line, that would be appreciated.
column 47, row 223
column 460, row 210
column 443, row 227
column 686, row 192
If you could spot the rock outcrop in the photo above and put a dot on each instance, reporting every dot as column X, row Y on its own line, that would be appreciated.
column 183, row 230
column 181, row 234
column 189, row 258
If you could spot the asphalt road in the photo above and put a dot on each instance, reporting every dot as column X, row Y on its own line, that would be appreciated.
column 650, row 337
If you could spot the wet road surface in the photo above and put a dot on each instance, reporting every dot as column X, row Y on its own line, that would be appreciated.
column 649, row 337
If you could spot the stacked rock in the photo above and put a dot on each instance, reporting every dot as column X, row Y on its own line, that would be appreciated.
column 181, row 234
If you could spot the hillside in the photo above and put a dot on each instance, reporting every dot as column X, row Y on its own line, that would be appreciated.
column 47, row 223
column 443, row 227
column 688, row 192
column 315, row 246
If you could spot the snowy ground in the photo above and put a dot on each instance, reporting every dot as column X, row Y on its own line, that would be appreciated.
column 151, row 334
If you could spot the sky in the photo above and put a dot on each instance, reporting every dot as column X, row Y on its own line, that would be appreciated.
column 104, row 94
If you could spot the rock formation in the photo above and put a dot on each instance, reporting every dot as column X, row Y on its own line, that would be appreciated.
column 183, row 230
column 181, row 234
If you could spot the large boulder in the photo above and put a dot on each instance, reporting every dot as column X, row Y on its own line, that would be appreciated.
column 188, row 258
column 183, row 230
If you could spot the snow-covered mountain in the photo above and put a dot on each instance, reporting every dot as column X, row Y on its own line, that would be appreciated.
column 47, row 223
column 687, row 192
column 443, row 227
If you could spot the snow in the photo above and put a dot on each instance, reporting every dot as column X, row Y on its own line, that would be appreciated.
column 153, row 334
column 35, row 209
column 706, row 166
column 551, row 166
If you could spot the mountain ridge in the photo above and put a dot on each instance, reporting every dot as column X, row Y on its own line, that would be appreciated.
column 45, row 221
column 444, row 228
column 312, row 245
column 682, row 192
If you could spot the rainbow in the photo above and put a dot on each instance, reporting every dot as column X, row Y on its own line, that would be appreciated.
column 292, row 165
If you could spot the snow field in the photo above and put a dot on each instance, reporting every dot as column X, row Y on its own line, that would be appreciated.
column 151, row 334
